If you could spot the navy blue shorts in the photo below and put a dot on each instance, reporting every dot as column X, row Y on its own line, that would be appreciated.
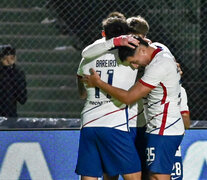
column 106, row 150
column 160, row 152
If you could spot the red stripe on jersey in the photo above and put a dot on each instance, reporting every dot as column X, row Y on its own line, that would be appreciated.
column 133, row 117
column 156, row 115
column 183, row 112
column 164, row 118
column 155, row 52
column 103, row 116
column 164, row 93
column 146, row 84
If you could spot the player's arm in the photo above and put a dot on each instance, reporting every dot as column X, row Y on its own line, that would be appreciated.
column 186, row 119
column 100, row 47
column 179, row 69
column 184, row 109
column 135, row 93
column 81, row 88
column 97, row 48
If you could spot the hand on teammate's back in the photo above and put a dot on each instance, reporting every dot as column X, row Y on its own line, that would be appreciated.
column 179, row 69
column 92, row 79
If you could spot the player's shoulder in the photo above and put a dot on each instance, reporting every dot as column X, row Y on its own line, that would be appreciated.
column 161, row 59
column 84, row 61
column 164, row 48
column 161, row 46
column 183, row 91
column 162, row 63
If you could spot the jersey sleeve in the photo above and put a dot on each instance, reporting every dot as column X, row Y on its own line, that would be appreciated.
column 184, row 102
column 80, row 69
column 85, row 66
column 97, row 48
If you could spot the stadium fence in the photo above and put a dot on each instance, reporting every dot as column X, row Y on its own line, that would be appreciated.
column 50, row 34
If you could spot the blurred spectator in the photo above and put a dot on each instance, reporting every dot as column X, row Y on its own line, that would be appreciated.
column 12, row 83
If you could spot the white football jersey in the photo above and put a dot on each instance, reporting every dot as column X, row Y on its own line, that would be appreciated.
column 162, row 104
column 183, row 106
column 100, row 109
column 133, row 115
column 184, row 100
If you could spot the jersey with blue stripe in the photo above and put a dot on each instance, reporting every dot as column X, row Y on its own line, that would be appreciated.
column 162, row 104
column 102, row 110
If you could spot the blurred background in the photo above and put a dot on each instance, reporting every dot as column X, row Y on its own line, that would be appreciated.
column 49, row 36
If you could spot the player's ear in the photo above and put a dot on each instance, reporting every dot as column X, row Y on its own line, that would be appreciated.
column 142, row 50
column 103, row 33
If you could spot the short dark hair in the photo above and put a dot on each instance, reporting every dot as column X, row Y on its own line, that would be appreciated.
column 116, row 14
column 6, row 50
column 114, row 27
column 125, row 51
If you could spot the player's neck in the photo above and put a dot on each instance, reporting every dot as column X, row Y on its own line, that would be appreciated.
column 150, row 52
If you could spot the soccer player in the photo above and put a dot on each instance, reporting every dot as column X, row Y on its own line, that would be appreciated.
column 177, row 172
column 139, row 26
column 105, row 143
column 160, row 85
column 185, row 109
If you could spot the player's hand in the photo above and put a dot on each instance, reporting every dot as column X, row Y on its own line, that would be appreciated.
column 179, row 69
column 147, row 40
column 91, row 80
column 125, row 40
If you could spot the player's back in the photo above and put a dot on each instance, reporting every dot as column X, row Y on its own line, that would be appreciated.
column 100, row 109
